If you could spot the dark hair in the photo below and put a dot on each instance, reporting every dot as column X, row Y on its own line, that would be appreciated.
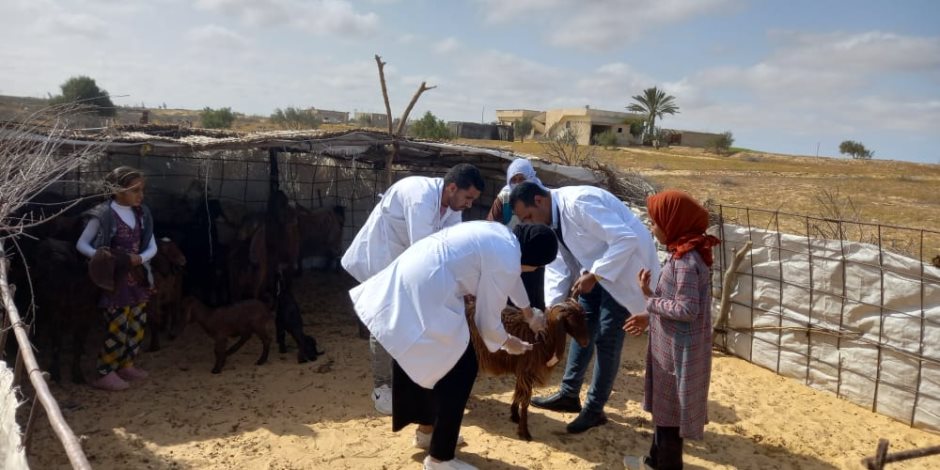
column 121, row 177
column 464, row 175
column 526, row 193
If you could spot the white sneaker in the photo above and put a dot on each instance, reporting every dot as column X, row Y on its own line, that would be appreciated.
column 632, row 462
column 382, row 397
column 453, row 464
column 423, row 440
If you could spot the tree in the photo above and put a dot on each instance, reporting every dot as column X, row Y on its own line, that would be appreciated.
column 83, row 91
column 430, row 127
column 653, row 103
column 293, row 118
column 523, row 127
column 722, row 143
column 221, row 118
column 856, row 150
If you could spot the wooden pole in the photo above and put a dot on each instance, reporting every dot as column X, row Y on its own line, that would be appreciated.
column 730, row 276
column 882, row 457
column 73, row 447
column 390, row 157
column 388, row 107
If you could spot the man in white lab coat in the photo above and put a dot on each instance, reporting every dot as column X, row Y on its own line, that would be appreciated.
column 603, row 247
column 410, row 210
column 415, row 309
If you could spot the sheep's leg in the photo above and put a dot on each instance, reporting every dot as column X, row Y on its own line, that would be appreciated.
column 266, row 346
column 219, row 355
column 521, row 398
column 156, row 324
column 241, row 342
column 176, row 320
column 279, row 330
column 78, row 350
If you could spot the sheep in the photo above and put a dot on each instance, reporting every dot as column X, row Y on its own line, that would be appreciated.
column 164, row 306
column 533, row 367
column 240, row 319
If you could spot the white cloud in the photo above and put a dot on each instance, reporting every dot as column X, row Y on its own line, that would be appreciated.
column 447, row 46
column 871, row 51
column 216, row 37
column 318, row 17
column 601, row 24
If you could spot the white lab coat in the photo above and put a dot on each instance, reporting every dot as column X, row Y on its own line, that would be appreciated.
column 415, row 306
column 603, row 237
column 409, row 211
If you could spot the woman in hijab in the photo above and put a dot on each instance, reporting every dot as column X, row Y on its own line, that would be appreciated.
column 520, row 171
column 678, row 314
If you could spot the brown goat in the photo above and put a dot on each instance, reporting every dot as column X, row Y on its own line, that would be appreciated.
column 533, row 367
column 164, row 306
column 66, row 300
column 321, row 233
column 240, row 319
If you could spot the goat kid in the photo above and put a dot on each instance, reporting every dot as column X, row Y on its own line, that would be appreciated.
column 534, row 367
column 164, row 307
column 288, row 320
column 241, row 319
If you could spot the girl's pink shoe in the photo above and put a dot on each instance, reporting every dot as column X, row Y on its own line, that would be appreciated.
column 132, row 373
column 111, row 382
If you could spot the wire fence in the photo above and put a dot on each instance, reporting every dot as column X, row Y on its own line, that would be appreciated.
column 848, row 307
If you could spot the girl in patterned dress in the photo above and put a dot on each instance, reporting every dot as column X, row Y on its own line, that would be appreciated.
column 678, row 314
column 124, row 225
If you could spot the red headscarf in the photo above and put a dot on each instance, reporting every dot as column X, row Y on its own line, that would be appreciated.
column 684, row 221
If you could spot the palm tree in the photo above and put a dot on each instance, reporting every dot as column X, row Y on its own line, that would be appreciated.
column 653, row 102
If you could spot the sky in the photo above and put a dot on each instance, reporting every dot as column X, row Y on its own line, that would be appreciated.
column 794, row 77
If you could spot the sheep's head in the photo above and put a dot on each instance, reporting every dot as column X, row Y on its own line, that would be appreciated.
column 572, row 316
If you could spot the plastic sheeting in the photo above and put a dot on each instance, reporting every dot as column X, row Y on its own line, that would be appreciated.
column 12, row 455
column 841, row 316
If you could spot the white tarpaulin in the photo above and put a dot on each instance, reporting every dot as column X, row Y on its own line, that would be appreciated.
column 841, row 316
column 12, row 456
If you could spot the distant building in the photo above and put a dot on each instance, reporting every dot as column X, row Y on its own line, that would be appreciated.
column 371, row 119
column 475, row 130
column 586, row 123
column 331, row 117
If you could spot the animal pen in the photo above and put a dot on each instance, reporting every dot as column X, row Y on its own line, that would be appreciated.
column 851, row 317
column 189, row 168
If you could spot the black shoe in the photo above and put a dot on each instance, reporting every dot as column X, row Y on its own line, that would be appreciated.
column 586, row 420
column 558, row 402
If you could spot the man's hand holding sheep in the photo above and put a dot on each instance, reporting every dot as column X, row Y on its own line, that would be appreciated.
column 535, row 318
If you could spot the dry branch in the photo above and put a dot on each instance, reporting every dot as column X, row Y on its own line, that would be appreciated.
column 414, row 99
column 731, row 275
column 32, row 158
column 388, row 107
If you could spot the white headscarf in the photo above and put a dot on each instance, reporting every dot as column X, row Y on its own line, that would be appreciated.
column 521, row 166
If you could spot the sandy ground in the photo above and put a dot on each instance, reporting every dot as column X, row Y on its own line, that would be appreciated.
column 289, row 416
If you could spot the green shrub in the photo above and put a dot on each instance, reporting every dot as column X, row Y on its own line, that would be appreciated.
column 83, row 91
column 430, row 127
column 606, row 139
column 221, row 118
column 294, row 118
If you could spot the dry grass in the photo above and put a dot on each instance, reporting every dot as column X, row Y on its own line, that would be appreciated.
column 885, row 192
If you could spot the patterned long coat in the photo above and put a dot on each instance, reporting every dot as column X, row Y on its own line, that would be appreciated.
column 679, row 361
